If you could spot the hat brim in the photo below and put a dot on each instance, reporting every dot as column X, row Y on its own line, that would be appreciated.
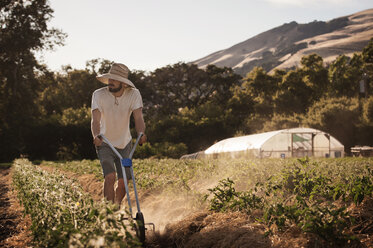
column 104, row 78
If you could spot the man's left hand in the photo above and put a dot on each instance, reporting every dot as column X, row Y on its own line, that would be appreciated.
column 142, row 139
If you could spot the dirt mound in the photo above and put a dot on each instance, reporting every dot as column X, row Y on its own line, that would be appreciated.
column 220, row 230
column 208, row 229
column 363, row 215
column 13, row 225
column 163, row 208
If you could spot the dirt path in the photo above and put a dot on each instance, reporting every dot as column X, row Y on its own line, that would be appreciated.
column 13, row 226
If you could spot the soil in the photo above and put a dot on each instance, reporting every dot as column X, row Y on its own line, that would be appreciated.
column 199, row 229
column 14, row 226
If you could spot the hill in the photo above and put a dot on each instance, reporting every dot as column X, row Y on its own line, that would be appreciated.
column 283, row 47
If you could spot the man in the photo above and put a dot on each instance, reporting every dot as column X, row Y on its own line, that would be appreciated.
column 112, row 107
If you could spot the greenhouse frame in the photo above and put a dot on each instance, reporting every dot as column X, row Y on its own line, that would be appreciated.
column 294, row 142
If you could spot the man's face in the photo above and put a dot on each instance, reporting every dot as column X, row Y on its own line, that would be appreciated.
column 114, row 85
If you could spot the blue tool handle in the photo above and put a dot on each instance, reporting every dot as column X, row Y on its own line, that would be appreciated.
column 136, row 143
column 110, row 145
column 126, row 162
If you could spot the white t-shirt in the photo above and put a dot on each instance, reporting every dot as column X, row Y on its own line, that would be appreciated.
column 116, row 113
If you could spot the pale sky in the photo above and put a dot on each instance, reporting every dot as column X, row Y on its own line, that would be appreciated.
column 150, row 34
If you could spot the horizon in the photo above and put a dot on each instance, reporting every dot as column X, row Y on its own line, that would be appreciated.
column 172, row 34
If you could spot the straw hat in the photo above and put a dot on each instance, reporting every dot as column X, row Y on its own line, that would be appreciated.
column 117, row 72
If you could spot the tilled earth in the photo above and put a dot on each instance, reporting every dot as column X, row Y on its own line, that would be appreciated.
column 14, row 226
column 201, row 229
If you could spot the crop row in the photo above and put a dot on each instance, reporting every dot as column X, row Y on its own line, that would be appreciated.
column 64, row 216
column 174, row 173
column 313, row 195
column 180, row 174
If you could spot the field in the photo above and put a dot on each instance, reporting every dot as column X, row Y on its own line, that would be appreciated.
column 202, row 203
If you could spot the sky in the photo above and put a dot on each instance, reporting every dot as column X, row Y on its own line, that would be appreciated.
column 150, row 34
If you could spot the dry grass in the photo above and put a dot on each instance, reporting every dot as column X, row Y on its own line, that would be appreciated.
column 207, row 229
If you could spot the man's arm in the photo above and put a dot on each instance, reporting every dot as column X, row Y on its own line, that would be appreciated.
column 95, row 126
column 139, row 124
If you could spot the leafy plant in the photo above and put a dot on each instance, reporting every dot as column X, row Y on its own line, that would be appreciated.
column 313, row 195
column 226, row 198
column 63, row 215
column 223, row 196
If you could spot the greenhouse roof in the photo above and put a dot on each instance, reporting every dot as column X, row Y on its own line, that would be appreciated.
column 255, row 141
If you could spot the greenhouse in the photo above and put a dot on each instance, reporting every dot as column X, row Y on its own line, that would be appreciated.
column 294, row 142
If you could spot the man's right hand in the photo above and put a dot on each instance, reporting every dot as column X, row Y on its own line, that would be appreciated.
column 97, row 141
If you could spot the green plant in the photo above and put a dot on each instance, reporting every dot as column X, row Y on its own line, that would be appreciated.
column 312, row 194
column 63, row 215
column 223, row 196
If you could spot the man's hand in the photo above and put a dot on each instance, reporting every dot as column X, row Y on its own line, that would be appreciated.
column 97, row 141
column 142, row 139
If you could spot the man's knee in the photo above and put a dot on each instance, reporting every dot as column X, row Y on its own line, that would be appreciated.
column 110, row 178
column 106, row 161
column 120, row 182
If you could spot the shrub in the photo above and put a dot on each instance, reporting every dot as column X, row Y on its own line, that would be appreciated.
column 76, row 117
column 368, row 110
column 161, row 150
column 337, row 116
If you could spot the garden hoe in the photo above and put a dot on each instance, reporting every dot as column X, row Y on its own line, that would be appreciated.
column 127, row 162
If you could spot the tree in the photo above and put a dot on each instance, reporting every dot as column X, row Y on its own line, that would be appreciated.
column 315, row 76
column 139, row 78
column 23, row 31
column 293, row 95
column 338, row 116
column 368, row 52
column 221, row 80
column 182, row 85
column 98, row 66
column 71, row 89
column 261, row 87
column 198, row 127
column 344, row 77
column 367, row 58
column 278, row 122
column 239, row 107
column 368, row 111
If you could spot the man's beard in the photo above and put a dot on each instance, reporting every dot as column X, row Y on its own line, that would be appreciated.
column 114, row 90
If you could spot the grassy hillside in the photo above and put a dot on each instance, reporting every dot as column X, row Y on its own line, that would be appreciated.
column 284, row 46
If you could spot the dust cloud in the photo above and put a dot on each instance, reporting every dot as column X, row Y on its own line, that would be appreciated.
column 166, row 208
column 169, row 206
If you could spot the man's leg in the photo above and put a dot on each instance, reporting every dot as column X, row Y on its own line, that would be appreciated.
column 120, row 192
column 107, row 158
column 109, row 186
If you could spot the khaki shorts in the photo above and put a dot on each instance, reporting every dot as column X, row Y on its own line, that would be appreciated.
column 110, row 162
